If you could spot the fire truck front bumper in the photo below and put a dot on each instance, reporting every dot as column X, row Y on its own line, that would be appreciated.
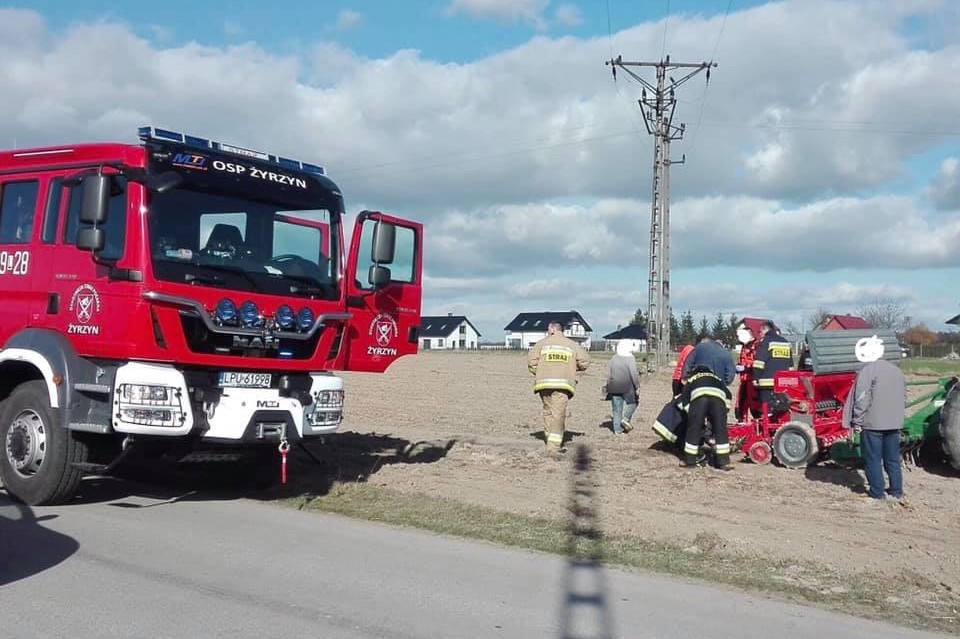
column 155, row 399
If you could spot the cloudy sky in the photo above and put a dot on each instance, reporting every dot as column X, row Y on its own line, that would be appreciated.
column 822, row 159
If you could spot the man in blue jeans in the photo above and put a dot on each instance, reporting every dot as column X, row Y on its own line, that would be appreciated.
column 876, row 412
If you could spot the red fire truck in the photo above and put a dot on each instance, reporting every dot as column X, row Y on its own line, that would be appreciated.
column 185, row 295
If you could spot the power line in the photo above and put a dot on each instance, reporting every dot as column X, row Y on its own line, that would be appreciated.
column 490, row 156
column 458, row 157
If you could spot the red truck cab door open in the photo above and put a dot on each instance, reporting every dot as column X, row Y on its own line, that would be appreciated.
column 383, row 288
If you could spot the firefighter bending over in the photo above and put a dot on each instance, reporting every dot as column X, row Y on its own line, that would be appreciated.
column 772, row 356
column 555, row 361
column 707, row 398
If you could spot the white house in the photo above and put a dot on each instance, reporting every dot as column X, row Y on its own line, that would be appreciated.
column 527, row 329
column 635, row 334
column 447, row 332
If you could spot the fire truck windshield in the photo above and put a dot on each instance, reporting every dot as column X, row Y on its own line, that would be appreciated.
column 220, row 239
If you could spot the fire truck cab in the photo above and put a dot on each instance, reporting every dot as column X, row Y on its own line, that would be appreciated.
column 185, row 295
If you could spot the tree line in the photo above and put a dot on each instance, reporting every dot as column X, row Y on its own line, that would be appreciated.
column 880, row 313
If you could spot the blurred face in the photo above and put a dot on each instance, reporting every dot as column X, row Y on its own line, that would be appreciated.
column 744, row 335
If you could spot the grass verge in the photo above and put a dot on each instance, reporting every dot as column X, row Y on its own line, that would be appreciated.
column 927, row 366
column 910, row 600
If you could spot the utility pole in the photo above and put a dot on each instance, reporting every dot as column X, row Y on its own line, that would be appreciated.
column 658, row 103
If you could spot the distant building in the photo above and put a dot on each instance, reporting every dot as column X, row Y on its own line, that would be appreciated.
column 527, row 329
column 447, row 332
column 842, row 323
column 635, row 334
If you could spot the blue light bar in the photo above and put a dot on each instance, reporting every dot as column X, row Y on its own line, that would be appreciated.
column 155, row 133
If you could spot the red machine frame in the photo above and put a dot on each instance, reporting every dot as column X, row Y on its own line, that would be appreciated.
column 796, row 434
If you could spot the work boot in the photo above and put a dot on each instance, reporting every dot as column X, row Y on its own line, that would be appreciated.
column 556, row 452
column 689, row 461
column 723, row 462
column 625, row 425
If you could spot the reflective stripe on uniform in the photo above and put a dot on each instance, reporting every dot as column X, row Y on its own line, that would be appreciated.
column 710, row 392
column 694, row 378
column 723, row 449
column 661, row 430
column 758, row 365
column 707, row 391
column 765, row 383
column 555, row 438
column 553, row 384
column 691, row 449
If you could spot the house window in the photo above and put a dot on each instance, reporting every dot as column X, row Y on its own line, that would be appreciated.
column 463, row 329
column 440, row 343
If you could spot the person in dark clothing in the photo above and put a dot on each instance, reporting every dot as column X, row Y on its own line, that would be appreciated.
column 773, row 356
column 707, row 398
column 708, row 354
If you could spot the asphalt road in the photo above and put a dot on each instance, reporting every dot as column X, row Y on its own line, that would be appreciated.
column 141, row 565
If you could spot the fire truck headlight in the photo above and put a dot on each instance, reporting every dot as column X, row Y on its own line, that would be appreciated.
column 145, row 394
column 305, row 319
column 285, row 317
column 330, row 398
column 226, row 312
column 250, row 314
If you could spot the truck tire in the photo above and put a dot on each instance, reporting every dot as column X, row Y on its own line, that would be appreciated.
column 950, row 426
column 37, row 453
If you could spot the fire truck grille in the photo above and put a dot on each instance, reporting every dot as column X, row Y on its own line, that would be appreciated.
column 201, row 340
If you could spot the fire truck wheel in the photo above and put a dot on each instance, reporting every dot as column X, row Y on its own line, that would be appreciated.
column 37, row 457
column 759, row 453
column 950, row 426
column 795, row 445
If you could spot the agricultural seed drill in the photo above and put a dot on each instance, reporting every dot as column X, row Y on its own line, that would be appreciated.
column 803, row 422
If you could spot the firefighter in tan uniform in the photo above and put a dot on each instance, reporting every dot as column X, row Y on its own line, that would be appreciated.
column 555, row 361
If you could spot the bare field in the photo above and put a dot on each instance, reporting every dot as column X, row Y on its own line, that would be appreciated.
column 480, row 405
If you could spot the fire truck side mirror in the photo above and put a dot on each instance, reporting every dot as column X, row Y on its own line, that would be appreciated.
column 96, row 197
column 91, row 239
column 384, row 243
column 379, row 276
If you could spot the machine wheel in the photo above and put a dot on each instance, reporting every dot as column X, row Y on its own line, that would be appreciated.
column 950, row 426
column 35, row 463
column 795, row 445
column 760, row 453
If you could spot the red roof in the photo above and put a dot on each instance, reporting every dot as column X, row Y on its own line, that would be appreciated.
column 847, row 322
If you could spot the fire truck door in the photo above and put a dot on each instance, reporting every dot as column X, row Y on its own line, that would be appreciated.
column 383, row 288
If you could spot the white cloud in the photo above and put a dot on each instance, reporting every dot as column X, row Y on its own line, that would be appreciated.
column 503, row 10
column 347, row 19
column 568, row 15
column 945, row 188
column 524, row 176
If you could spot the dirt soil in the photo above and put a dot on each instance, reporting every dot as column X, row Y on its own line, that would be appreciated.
column 481, row 408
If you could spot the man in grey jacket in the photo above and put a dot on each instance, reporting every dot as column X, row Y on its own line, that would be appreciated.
column 875, row 410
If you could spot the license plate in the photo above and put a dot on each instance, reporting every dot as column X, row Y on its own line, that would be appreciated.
column 233, row 379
